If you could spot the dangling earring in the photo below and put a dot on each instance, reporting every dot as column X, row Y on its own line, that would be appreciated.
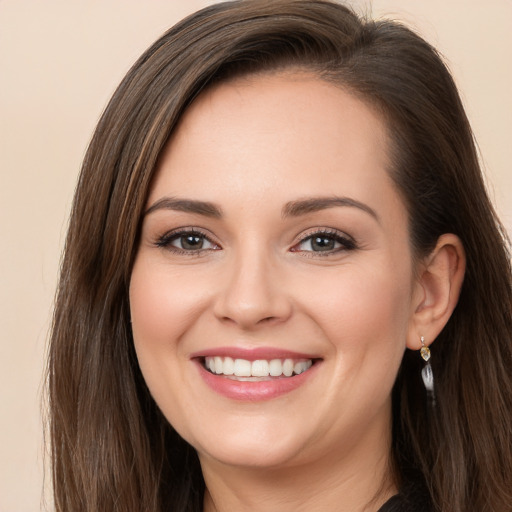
column 426, row 373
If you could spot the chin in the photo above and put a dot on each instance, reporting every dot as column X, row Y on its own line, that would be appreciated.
column 251, row 458
column 253, row 451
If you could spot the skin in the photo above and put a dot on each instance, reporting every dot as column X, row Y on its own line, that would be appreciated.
column 250, row 147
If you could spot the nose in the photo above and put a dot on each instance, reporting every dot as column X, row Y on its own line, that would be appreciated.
column 252, row 293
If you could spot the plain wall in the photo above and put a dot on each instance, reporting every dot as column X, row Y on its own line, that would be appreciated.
column 59, row 63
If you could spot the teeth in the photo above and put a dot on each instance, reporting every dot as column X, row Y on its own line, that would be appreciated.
column 300, row 367
column 258, row 368
column 242, row 368
column 275, row 368
column 228, row 367
column 288, row 367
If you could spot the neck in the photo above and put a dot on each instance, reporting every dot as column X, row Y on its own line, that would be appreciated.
column 359, row 479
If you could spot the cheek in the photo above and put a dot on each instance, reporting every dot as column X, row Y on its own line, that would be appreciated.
column 366, row 322
column 163, row 308
column 365, row 314
column 363, row 298
column 162, row 305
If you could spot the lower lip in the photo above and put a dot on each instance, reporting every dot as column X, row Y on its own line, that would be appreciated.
column 257, row 390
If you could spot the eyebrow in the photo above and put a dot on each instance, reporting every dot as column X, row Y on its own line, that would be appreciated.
column 315, row 204
column 186, row 205
column 291, row 209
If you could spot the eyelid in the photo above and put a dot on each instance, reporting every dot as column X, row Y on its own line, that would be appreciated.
column 164, row 241
column 347, row 242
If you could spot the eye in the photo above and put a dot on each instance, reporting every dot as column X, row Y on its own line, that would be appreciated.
column 325, row 242
column 187, row 241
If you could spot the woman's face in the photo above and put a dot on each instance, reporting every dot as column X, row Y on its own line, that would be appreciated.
column 274, row 243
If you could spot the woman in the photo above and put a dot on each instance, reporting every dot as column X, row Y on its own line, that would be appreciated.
column 279, row 218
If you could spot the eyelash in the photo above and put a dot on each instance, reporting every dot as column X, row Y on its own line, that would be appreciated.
column 346, row 242
column 166, row 240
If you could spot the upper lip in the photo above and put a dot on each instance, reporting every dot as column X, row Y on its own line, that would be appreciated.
column 252, row 354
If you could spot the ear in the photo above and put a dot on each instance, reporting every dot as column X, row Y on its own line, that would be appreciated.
column 437, row 290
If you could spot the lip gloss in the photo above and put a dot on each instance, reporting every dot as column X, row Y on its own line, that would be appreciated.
column 253, row 390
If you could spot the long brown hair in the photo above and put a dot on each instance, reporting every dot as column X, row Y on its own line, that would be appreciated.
column 111, row 447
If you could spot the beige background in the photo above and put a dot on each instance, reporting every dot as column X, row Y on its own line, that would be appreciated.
column 59, row 63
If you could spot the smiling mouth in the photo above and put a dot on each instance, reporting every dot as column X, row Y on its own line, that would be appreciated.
column 260, row 369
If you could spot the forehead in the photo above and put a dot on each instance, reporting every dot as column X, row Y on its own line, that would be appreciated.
column 285, row 132
column 287, row 103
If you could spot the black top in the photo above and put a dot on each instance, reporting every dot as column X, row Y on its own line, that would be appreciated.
column 412, row 498
column 398, row 504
